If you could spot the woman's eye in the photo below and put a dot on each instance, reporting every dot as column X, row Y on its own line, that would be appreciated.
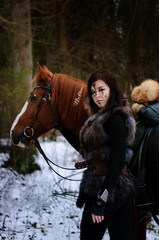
column 101, row 90
column 33, row 98
column 93, row 92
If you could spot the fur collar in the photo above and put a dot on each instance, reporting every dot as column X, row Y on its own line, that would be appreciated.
column 92, row 134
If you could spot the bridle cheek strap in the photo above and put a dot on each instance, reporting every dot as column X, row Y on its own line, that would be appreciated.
column 29, row 131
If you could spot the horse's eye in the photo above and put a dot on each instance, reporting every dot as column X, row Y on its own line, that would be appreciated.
column 33, row 98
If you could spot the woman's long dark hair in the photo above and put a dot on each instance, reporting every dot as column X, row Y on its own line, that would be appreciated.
column 116, row 98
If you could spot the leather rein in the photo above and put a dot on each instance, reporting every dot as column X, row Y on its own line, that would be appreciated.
column 29, row 131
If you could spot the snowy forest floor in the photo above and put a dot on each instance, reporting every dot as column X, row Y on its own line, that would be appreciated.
column 41, row 205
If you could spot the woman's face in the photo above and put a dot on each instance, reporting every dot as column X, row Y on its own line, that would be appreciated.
column 100, row 93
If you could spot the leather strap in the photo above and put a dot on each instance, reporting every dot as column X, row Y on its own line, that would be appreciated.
column 82, row 164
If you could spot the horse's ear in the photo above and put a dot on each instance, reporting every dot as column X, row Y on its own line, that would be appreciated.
column 45, row 68
column 39, row 67
column 45, row 74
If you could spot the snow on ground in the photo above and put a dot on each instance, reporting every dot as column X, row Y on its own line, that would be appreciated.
column 41, row 205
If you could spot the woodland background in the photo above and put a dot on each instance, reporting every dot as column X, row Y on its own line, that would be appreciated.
column 75, row 37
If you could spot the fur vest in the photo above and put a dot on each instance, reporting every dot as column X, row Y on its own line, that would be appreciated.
column 95, row 149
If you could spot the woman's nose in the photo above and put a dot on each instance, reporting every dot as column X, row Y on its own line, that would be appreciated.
column 97, row 94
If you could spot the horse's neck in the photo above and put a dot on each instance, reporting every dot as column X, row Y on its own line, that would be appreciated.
column 70, row 97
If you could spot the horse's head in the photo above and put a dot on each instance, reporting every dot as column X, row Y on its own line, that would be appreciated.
column 55, row 101
column 35, row 117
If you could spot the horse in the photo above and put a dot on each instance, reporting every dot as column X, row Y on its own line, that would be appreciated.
column 58, row 101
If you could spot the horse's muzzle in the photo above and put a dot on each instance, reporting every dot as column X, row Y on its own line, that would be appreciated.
column 19, row 139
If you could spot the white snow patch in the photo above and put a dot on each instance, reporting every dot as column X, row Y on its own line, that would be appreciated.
column 41, row 205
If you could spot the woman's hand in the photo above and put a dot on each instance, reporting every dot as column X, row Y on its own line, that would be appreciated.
column 98, row 206
column 97, row 219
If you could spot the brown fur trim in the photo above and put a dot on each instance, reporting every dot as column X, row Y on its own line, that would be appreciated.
column 93, row 136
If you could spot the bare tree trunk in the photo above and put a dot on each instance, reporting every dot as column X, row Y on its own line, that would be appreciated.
column 22, row 162
column 22, row 42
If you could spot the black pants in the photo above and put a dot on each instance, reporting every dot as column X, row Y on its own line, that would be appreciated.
column 117, row 219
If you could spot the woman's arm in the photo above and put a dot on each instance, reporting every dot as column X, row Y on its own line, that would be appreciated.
column 117, row 132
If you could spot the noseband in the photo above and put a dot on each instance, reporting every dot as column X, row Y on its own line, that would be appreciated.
column 29, row 131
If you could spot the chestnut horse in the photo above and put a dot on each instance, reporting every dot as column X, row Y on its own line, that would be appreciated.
column 57, row 101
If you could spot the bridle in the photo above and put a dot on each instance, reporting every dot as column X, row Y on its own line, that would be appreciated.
column 29, row 131
column 47, row 92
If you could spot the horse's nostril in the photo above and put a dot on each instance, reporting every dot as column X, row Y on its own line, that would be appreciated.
column 15, row 139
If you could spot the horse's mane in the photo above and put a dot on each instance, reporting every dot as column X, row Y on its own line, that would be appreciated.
column 72, row 89
column 71, row 94
column 76, row 88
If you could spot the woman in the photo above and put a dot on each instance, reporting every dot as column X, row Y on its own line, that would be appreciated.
column 107, row 188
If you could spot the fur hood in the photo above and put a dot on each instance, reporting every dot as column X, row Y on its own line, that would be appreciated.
column 145, row 93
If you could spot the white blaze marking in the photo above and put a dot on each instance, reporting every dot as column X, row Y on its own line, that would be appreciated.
column 18, row 116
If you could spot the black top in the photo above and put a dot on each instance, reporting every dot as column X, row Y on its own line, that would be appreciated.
column 116, row 129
